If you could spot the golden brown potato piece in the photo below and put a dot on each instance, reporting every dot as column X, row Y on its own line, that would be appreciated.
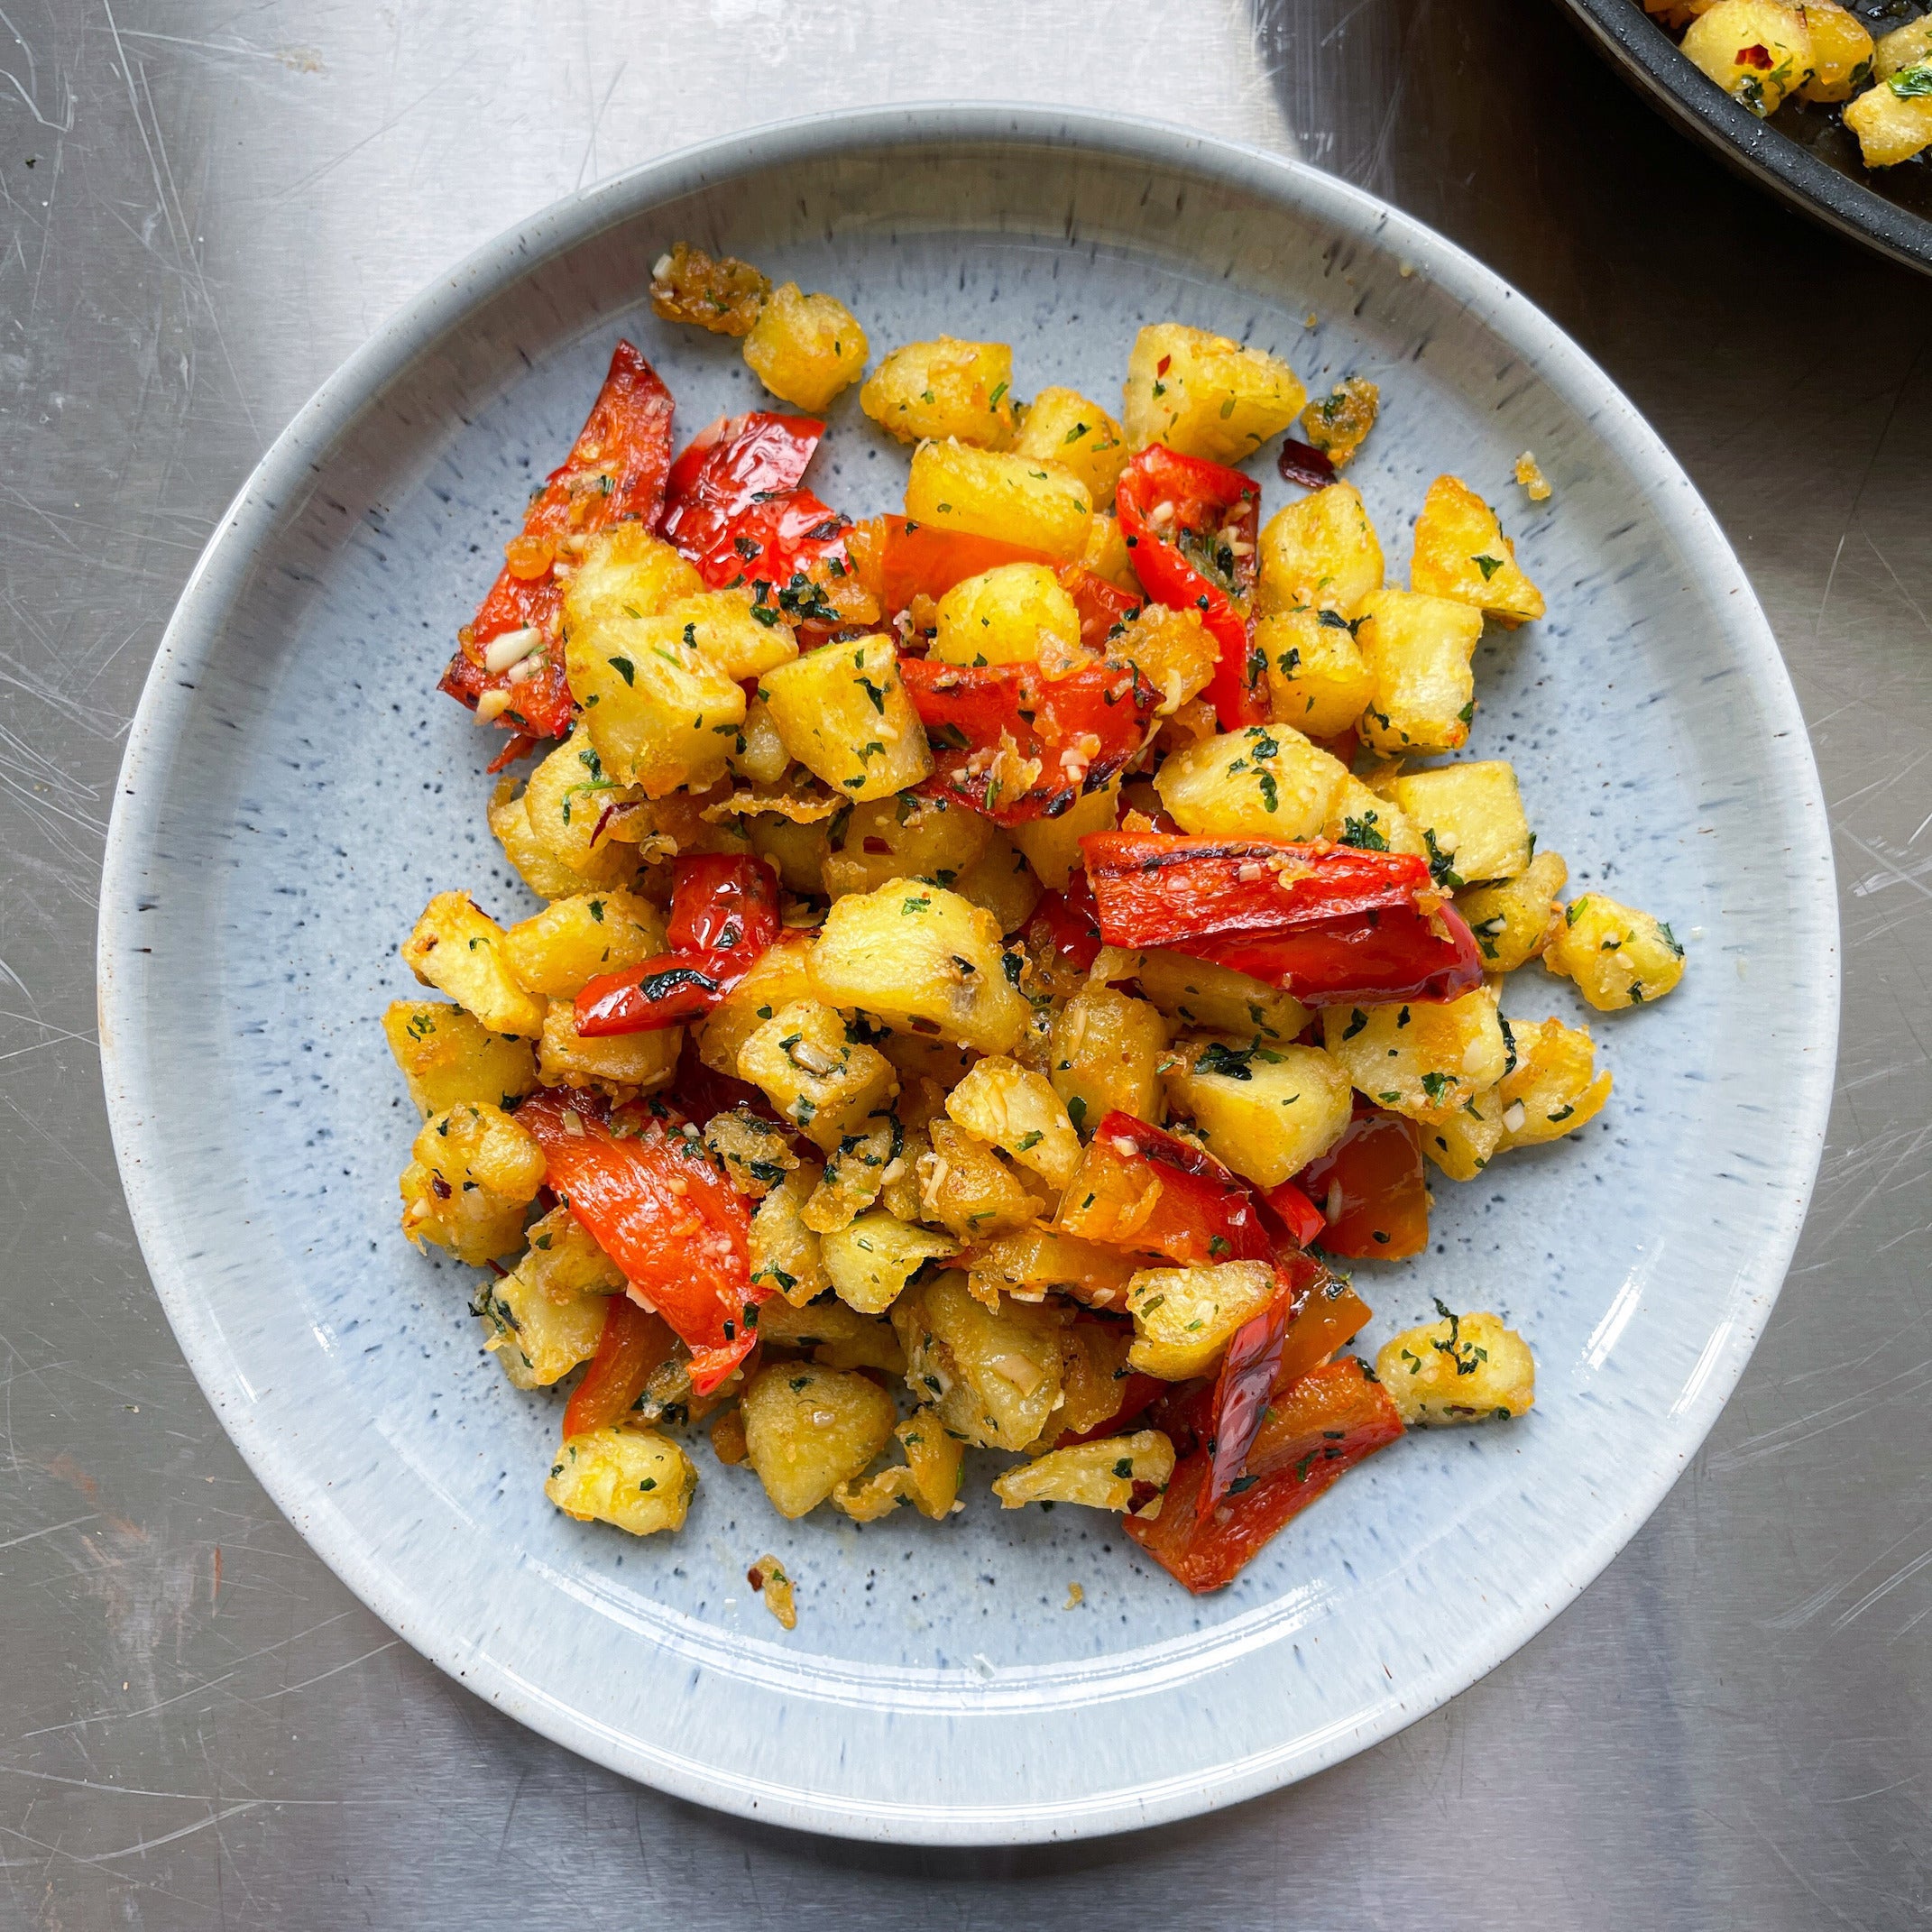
column 723, row 295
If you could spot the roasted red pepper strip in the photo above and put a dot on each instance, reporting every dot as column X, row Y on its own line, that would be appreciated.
column 1101, row 606
column 658, row 1204
column 1190, row 526
column 897, row 561
column 1014, row 745
column 1369, row 959
column 722, row 902
column 616, row 470
column 1067, row 924
column 1372, row 1189
column 1297, row 1213
column 1330, row 1419
column 632, row 1342
column 1137, row 1187
column 1241, row 1393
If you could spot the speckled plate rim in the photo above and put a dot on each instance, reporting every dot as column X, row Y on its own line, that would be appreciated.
column 168, row 705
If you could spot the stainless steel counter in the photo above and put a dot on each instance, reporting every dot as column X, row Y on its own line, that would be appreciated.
column 206, row 206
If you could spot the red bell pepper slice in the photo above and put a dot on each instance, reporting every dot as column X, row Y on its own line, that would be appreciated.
column 1369, row 958
column 1330, row 1420
column 1191, row 527
column 1373, row 1187
column 659, row 1205
column 616, row 470
column 722, row 902
column 897, row 561
column 1014, row 745
column 1296, row 1212
column 1102, row 607
column 1137, row 1187
column 632, row 1342
column 1067, row 924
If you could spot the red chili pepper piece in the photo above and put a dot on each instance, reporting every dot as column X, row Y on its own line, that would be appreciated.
column 1014, row 745
column 1069, row 924
column 1300, row 463
column 1190, row 526
column 1373, row 1186
column 632, row 1342
column 616, row 470
column 660, row 1206
column 1139, row 1188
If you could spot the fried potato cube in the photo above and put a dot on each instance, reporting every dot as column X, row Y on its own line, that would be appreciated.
column 1618, row 957
column 1052, row 845
column 964, row 1187
column 1471, row 819
column 929, row 1478
column 844, row 715
column 805, row 348
column 565, row 804
column 1015, row 614
column 904, row 837
column 634, row 1478
column 730, row 639
column 945, row 388
column 838, row 1337
column 558, row 952
column 1906, row 46
column 919, row 958
column 784, row 1253
column 1511, row 920
column 826, row 1085
column 1425, row 1059
column 723, row 295
column 1265, row 1111
column 1465, row 1368
column 1759, row 52
column 1205, row 394
column 1096, row 1474
column 1418, row 649
column 1338, row 424
column 854, row 1176
column 660, row 715
column 458, row 949
column 757, row 755
column 531, row 860
column 1464, row 1142
column 645, row 1061
column 1093, row 1364
column 1892, row 126
column 1554, row 1088
column 992, row 1375
column 472, row 1172
column 1218, row 999
column 1842, row 51
column 1020, row 500
column 1107, row 555
column 1185, row 1316
column 1266, row 781
column 563, row 1263
column 1320, row 553
column 1173, row 649
column 756, row 1153
column 1063, row 427
column 872, row 1260
column 809, row 1429
column 537, row 1338
column 1000, row 883
column 448, row 1055
column 1370, row 823
column 797, row 852
column 780, row 977
column 1318, row 679
column 1106, row 1051
column 1017, row 1111
column 625, row 572
column 1461, row 552
column 1036, row 1261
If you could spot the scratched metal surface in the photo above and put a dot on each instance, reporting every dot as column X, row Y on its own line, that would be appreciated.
column 206, row 205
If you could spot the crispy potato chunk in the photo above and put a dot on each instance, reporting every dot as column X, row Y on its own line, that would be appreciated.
column 756, row 1153
column 1554, row 1088
column 797, row 852
column 1464, row 1142
column 992, row 1375
column 757, row 755
column 1339, row 423
column 728, row 636
column 1096, row 1474
column 1465, row 1368
column 809, row 1429
column 1759, row 52
column 1063, row 427
column 1052, row 845
column 563, row 1262
column 1038, row 506
column 1265, row 1111
column 825, row 1084
column 1016, row 614
column 1471, row 819
column 1423, row 1060
column 1618, row 957
column 1461, row 552
column 1217, row 999
column 964, row 1187
column 559, row 950
column 531, row 858
column 1035, row 1261
column 1000, row 883
column 1185, row 1316
column 565, row 805
column 472, row 1172
column 1419, row 650
column 536, row 1337
column 565, row 1058
column 1891, row 126
column 1318, row 679
column 1906, row 46
column 1320, row 553
column 1370, row 823
column 928, row 1479
column 838, row 1337
column 1511, row 920
column 805, row 348
column 633, row 1479
column 457, row 950
column 1106, row 554
column 1017, row 1111
column 625, row 572
column 1205, row 394
column 1173, row 649
column 1264, row 781
column 659, row 713
column 854, row 1176
column 448, row 1055
column 919, row 958
column 904, row 837
column 844, row 715
column 723, row 295
column 784, row 1253
column 872, row 1260
column 780, row 977
column 1106, row 1053
column 942, row 388
column 1842, row 51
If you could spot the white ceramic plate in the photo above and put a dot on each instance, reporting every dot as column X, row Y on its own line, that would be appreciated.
column 295, row 789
